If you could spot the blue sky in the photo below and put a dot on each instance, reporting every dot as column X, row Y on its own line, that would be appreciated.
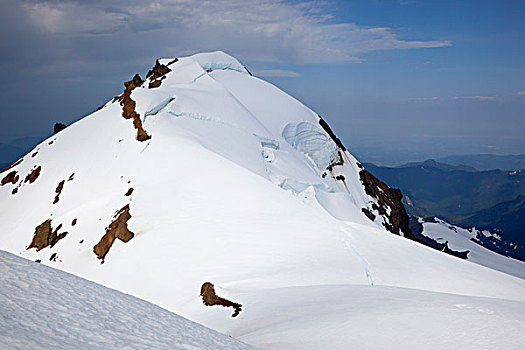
column 398, row 79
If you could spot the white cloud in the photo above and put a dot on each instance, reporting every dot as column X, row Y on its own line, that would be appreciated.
column 263, row 30
column 512, row 98
column 477, row 98
column 276, row 73
column 421, row 99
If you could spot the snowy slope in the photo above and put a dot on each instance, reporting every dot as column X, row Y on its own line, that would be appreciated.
column 43, row 308
column 216, row 176
column 462, row 239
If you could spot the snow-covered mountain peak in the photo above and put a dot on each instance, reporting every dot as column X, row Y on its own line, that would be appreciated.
column 200, row 185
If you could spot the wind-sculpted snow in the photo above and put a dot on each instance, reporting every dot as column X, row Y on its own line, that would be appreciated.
column 42, row 308
column 378, row 317
column 240, row 185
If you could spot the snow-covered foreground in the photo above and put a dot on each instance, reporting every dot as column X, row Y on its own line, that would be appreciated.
column 379, row 317
column 43, row 308
column 459, row 238
column 242, row 186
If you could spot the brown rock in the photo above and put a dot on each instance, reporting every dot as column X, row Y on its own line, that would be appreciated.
column 130, row 191
column 44, row 236
column 33, row 175
column 58, row 191
column 209, row 298
column 117, row 229
column 387, row 197
column 74, row 222
column 128, row 107
column 142, row 135
column 159, row 70
column 154, row 84
column 12, row 177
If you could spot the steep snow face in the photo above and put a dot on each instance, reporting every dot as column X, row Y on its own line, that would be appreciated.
column 43, row 308
column 204, row 173
column 462, row 239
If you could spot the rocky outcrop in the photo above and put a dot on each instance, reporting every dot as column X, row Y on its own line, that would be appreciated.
column 209, row 298
column 46, row 237
column 156, row 74
column 154, row 84
column 128, row 107
column 58, row 127
column 12, row 178
column 58, row 191
column 117, row 229
column 388, row 204
column 416, row 228
column 329, row 131
column 159, row 70
column 33, row 175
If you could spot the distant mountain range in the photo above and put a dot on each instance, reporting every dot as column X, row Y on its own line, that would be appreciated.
column 487, row 161
column 459, row 194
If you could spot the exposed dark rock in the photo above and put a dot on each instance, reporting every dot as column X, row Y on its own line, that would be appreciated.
column 130, row 191
column 173, row 61
column 45, row 236
column 128, row 107
column 340, row 177
column 329, row 131
column 38, row 261
column 117, row 229
column 387, row 197
column 159, row 70
column 33, row 175
column 142, row 135
column 368, row 213
column 34, row 154
column 154, row 84
column 58, row 191
column 53, row 257
column 12, row 178
column 128, row 104
column 251, row 75
column 209, row 298
column 50, row 142
column 71, row 177
column 416, row 228
column 15, row 190
column 74, row 222
column 58, row 127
